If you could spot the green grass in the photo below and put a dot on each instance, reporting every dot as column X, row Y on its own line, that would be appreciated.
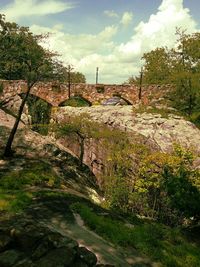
column 13, row 198
column 158, row 242
column 33, row 173
column 14, row 201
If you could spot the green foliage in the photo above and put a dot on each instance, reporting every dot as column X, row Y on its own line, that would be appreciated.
column 157, row 62
column 82, row 127
column 77, row 77
column 179, row 67
column 76, row 101
column 160, row 243
column 21, row 201
column 21, row 56
column 157, row 185
column 121, row 159
column 40, row 112
column 195, row 118
column 133, row 80
column 167, row 185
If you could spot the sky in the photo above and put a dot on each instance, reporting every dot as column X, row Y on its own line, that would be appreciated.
column 109, row 34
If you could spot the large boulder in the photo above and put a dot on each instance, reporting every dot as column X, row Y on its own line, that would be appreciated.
column 163, row 131
column 25, row 243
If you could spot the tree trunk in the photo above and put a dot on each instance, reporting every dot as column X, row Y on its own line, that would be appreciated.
column 8, row 148
column 81, row 151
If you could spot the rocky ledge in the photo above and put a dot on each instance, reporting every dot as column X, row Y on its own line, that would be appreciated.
column 25, row 243
column 162, row 132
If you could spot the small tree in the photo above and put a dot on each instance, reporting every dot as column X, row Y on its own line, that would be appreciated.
column 82, row 128
column 23, row 58
column 122, row 157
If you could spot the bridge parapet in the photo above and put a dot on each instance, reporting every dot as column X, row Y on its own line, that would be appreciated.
column 55, row 93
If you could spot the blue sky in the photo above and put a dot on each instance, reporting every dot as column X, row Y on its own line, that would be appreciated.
column 110, row 34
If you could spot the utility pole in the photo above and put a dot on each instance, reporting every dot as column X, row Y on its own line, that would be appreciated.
column 140, row 89
column 97, row 75
column 69, row 69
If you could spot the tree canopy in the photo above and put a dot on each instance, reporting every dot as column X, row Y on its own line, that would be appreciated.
column 21, row 55
column 157, row 62
column 179, row 67
column 23, row 58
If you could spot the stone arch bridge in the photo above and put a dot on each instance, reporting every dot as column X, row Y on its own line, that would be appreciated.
column 56, row 93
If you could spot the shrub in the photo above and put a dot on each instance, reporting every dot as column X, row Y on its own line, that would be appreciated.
column 167, row 185
column 162, row 186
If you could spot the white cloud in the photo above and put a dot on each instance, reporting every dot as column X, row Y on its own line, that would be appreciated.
column 26, row 8
column 78, row 45
column 158, row 31
column 117, row 62
column 111, row 13
column 127, row 18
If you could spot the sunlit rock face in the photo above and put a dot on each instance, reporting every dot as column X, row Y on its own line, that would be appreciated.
column 159, row 132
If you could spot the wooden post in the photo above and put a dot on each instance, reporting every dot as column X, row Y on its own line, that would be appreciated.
column 140, row 89
column 97, row 75
column 69, row 69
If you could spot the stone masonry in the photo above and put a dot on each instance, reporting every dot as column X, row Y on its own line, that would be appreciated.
column 56, row 93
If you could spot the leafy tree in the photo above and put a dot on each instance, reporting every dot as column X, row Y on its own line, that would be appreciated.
column 167, row 187
column 179, row 67
column 157, row 68
column 186, row 72
column 162, row 186
column 75, row 76
column 78, row 77
column 121, row 159
column 23, row 58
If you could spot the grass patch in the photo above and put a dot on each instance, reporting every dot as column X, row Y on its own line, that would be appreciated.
column 15, row 201
column 33, row 173
column 155, row 110
column 160, row 243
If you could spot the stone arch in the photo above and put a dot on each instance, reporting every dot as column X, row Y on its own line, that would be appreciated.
column 126, row 100
column 79, row 99
column 116, row 100
column 122, row 97
column 44, row 96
